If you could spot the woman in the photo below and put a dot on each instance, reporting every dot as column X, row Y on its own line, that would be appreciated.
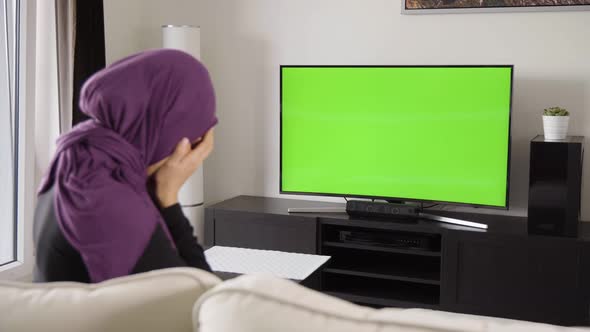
column 95, row 217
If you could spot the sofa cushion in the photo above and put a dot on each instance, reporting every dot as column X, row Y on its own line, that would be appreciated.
column 267, row 304
column 159, row 300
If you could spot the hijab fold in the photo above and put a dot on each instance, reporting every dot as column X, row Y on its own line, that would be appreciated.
column 140, row 108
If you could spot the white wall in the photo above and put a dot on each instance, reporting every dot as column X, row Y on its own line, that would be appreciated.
column 135, row 25
column 244, row 42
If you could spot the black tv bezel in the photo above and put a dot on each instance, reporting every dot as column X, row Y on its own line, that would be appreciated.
column 281, row 191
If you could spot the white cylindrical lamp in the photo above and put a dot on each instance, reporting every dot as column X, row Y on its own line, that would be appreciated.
column 188, row 39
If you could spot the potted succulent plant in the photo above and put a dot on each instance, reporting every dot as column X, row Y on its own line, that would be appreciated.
column 555, row 122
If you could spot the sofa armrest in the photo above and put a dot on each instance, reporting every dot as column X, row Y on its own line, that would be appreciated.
column 158, row 300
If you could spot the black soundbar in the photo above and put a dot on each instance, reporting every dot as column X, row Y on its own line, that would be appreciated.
column 382, row 210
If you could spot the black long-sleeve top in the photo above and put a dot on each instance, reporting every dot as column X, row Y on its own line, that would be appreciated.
column 57, row 260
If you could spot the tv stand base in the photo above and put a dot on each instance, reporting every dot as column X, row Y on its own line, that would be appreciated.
column 453, row 220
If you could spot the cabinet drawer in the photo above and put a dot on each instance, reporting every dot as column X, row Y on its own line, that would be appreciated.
column 527, row 278
column 265, row 231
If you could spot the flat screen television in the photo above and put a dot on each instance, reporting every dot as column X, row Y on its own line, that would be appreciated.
column 407, row 133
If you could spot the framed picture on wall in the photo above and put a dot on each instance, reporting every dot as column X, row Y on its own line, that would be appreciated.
column 470, row 6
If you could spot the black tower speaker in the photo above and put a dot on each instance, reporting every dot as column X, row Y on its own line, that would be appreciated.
column 555, row 186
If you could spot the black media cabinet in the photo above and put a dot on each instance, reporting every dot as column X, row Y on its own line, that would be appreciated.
column 501, row 271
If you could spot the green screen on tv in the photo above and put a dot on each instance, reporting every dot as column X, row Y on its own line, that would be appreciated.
column 425, row 133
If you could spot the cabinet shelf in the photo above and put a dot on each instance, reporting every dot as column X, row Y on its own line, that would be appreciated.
column 381, row 249
column 425, row 279
column 380, row 302
column 394, row 290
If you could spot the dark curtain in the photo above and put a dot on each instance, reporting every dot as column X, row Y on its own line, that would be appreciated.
column 89, row 48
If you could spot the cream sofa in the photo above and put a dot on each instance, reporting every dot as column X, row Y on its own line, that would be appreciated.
column 184, row 299
column 266, row 304
column 153, row 301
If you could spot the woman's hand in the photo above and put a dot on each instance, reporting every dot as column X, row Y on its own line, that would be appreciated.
column 183, row 162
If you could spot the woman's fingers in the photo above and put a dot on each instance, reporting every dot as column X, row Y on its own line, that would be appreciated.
column 182, row 148
column 196, row 156
column 178, row 168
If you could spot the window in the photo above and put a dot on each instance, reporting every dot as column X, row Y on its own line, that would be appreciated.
column 8, row 129
column 17, row 138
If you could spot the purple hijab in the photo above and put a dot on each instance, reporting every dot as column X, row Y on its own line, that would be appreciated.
column 140, row 108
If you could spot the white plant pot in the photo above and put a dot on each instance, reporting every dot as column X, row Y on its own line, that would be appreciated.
column 555, row 127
